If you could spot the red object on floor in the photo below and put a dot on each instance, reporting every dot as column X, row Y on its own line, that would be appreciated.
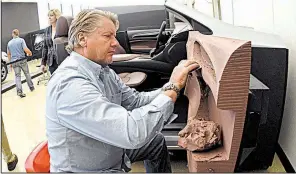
column 39, row 159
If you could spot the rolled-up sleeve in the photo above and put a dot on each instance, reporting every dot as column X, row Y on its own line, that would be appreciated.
column 82, row 107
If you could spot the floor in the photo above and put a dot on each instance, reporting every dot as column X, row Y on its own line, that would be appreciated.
column 24, row 120
column 10, row 77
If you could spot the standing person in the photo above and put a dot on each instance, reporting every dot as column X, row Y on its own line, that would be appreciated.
column 48, row 53
column 10, row 158
column 16, row 50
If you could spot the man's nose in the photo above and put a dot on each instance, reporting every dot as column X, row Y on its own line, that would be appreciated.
column 114, row 42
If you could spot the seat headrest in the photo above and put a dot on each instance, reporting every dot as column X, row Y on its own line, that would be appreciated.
column 62, row 27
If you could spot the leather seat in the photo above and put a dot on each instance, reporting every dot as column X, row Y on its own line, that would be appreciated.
column 61, row 38
column 133, row 79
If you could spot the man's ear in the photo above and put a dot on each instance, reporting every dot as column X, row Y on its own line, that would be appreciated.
column 82, row 39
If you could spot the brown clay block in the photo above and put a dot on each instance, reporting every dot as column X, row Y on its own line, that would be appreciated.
column 200, row 136
column 200, row 133
column 225, row 67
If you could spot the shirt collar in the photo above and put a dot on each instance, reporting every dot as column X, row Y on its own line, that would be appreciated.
column 94, row 67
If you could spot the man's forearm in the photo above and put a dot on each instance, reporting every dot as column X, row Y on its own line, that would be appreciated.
column 153, row 94
column 141, row 99
column 133, row 99
column 28, row 52
column 172, row 94
column 9, row 57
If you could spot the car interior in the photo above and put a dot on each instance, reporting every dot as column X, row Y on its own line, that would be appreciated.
column 167, row 50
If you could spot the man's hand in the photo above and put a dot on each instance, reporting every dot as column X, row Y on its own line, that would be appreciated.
column 180, row 72
column 28, row 52
column 42, row 68
column 179, row 76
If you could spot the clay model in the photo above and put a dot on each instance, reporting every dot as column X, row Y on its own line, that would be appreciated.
column 200, row 133
column 218, row 94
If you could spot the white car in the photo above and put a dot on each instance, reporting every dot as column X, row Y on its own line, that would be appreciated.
column 4, row 57
column 4, row 70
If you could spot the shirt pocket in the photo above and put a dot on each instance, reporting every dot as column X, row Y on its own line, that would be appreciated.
column 116, row 98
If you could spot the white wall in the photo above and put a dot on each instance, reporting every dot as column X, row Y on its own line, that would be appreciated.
column 278, row 17
column 42, row 13
column 204, row 6
column 227, row 11
column 67, row 6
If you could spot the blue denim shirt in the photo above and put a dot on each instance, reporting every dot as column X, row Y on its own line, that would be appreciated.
column 92, row 117
column 16, row 48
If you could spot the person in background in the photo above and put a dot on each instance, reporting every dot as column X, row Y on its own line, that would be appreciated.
column 16, row 50
column 48, row 52
column 10, row 158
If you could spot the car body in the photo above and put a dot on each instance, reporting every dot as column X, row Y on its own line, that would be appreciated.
column 141, row 30
column 4, row 69
column 268, row 72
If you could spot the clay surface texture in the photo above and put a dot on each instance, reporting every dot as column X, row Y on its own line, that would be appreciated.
column 200, row 133
column 218, row 95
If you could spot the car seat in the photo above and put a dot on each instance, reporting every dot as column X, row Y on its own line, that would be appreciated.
column 61, row 38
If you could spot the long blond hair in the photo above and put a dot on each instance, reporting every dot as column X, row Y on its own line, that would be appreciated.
column 56, row 12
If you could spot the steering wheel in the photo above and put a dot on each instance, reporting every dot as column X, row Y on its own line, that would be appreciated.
column 160, row 34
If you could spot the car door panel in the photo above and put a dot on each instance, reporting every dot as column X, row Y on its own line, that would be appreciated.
column 143, row 65
column 142, row 41
column 147, row 33
column 148, row 36
column 142, row 46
